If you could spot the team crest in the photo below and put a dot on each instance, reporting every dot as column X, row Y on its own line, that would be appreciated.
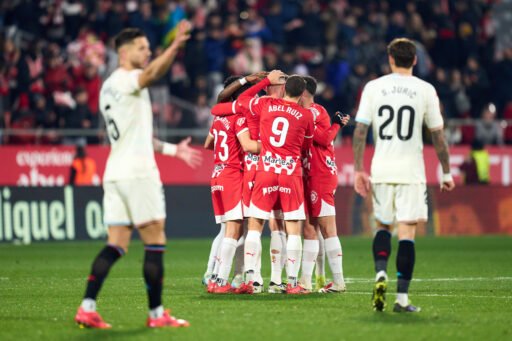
column 241, row 121
column 314, row 197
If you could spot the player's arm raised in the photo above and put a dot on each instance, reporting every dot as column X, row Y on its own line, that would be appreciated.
column 443, row 155
column 327, row 136
column 226, row 94
column 182, row 151
column 160, row 65
column 361, row 178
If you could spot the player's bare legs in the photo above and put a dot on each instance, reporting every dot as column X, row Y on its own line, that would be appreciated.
column 310, row 252
column 277, row 255
column 381, row 251
column 227, row 252
column 405, row 259
column 334, row 253
column 117, row 245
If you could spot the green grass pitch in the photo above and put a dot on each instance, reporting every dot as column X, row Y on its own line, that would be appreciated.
column 464, row 286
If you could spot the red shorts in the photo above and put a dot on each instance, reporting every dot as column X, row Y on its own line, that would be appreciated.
column 272, row 191
column 226, row 190
column 319, row 194
column 249, row 176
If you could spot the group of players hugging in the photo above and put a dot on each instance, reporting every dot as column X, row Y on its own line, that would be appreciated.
column 273, row 161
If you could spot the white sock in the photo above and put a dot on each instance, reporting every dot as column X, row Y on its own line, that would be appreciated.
column 276, row 251
column 402, row 299
column 293, row 256
column 157, row 312
column 309, row 255
column 284, row 241
column 215, row 250
column 239, row 256
column 380, row 274
column 88, row 305
column 335, row 257
column 227, row 252
column 251, row 247
column 320, row 259
column 257, row 271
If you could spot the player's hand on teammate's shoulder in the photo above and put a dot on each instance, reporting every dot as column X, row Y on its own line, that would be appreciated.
column 192, row 157
column 362, row 183
column 183, row 32
column 256, row 77
column 341, row 119
column 277, row 77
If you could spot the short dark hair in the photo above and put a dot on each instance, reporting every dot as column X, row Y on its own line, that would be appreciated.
column 295, row 86
column 310, row 84
column 403, row 52
column 126, row 36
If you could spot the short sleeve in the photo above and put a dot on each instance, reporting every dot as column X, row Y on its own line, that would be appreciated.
column 364, row 113
column 433, row 117
column 240, row 125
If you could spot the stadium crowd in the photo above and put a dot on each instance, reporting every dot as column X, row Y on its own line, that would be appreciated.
column 55, row 54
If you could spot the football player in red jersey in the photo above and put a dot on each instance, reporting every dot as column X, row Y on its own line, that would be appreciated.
column 320, row 185
column 229, row 136
column 278, row 236
column 286, row 129
column 233, row 86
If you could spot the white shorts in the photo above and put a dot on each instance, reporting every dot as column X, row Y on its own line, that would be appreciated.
column 133, row 202
column 401, row 202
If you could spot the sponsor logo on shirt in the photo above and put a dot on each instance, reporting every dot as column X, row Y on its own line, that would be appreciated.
column 217, row 188
column 217, row 169
column 280, row 189
column 251, row 160
column 331, row 164
column 278, row 164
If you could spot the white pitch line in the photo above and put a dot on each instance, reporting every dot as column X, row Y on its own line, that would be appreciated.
column 449, row 279
column 431, row 295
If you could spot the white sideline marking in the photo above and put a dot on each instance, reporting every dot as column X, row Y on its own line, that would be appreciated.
column 449, row 279
column 4, row 278
column 430, row 295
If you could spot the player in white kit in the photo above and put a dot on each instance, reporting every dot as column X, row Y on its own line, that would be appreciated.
column 397, row 105
column 134, row 195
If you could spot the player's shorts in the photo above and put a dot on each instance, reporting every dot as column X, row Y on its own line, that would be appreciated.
column 227, row 195
column 133, row 202
column 319, row 195
column 277, row 190
column 405, row 203
column 249, row 176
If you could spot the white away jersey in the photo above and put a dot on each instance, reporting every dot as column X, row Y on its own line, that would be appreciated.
column 129, row 120
column 396, row 106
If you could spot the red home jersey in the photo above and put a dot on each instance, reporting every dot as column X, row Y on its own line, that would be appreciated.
column 227, row 150
column 284, row 126
column 320, row 157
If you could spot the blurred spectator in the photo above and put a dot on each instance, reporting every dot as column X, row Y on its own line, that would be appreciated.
column 488, row 130
column 83, row 169
column 203, row 114
column 77, row 117
column 16, row 74
column 477, row 85
column 475, row 169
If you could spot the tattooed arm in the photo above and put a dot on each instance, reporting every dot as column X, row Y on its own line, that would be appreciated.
column 361, row 178
column 444, row 158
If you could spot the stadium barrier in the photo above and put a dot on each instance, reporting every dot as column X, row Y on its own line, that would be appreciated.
column 34, row 214
column 50, row 165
